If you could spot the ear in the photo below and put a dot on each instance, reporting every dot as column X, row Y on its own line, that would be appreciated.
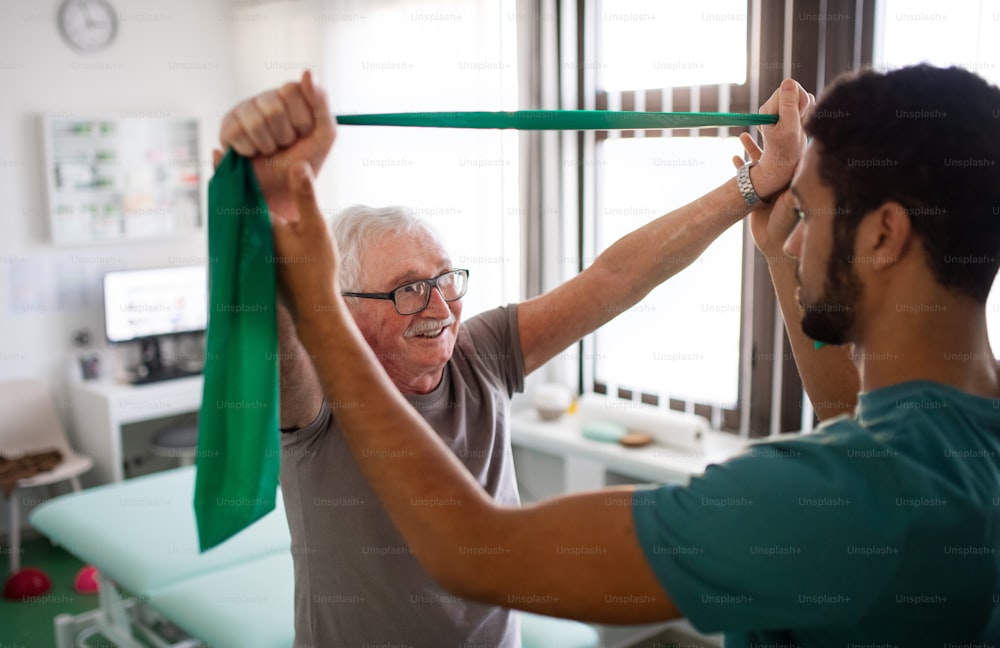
column 884, row 236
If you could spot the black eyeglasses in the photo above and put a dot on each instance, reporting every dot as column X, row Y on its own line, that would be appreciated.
column 413, row 297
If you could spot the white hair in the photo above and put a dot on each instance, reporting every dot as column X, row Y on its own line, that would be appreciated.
column 357, row 227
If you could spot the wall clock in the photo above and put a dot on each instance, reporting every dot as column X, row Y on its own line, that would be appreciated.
column 88, row 25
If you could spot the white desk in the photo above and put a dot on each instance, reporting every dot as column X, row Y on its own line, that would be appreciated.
column 585, row 466
column 587, row 461
column 101, row 408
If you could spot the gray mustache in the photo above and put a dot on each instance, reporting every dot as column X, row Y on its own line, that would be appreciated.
column 427, row 326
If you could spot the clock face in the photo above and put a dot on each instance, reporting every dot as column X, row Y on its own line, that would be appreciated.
column 88, row 25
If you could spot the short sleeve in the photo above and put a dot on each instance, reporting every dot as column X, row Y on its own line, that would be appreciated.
column 493, row 344
column 785, row 535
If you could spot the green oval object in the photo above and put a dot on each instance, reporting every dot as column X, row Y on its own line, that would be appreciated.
column 604, row 431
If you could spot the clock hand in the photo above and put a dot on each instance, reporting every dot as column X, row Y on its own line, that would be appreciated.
column 90, row 16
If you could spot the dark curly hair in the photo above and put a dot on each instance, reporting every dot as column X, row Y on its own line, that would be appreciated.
column 929, row 139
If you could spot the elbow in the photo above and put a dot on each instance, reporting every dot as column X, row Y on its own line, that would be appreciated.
column 473, row 580
column 458, row 579
column 456, row 573
column 467, row 562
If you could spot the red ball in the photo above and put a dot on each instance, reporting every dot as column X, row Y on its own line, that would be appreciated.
column 86, row 580
column 26, row 584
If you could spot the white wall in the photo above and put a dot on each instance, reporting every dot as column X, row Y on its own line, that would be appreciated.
column 177, row 57
column 169, row 57
column 185, row 57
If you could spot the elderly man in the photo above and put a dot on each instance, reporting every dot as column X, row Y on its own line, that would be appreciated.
column 357, row 580
column 880, row 529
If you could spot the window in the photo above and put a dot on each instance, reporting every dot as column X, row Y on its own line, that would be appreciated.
column 656, row 44
column 966, row 34
column 425, row 55
column 683, row 341
column 962, row 34
column 711, row 338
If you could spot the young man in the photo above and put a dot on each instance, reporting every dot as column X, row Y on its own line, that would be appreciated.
column 881, row 528
column 357, row 581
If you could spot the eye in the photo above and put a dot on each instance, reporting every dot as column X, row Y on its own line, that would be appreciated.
column 412, row 288
column 799, row 213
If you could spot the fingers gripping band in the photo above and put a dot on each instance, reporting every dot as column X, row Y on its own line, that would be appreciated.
column 559, row 120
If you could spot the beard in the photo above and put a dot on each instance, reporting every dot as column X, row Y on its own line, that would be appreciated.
column 831, row 319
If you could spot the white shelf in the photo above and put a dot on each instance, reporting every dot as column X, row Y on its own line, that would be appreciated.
column 656, row 463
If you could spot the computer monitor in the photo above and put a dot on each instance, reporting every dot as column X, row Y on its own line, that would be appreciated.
column 147, row 305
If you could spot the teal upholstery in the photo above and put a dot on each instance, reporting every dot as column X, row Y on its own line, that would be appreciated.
column 141, row 534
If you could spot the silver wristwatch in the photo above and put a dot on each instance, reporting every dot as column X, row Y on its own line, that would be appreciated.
column 750, row 196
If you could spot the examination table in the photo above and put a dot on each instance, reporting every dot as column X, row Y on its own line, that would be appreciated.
column 140, row 534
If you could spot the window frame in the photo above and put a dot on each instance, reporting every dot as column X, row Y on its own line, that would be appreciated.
column 810, row 40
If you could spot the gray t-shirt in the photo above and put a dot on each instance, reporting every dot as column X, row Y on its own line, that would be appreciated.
column 356, row 582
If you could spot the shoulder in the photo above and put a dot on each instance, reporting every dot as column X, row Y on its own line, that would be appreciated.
column 496, row 323
column 489, row 345
column 490, row 337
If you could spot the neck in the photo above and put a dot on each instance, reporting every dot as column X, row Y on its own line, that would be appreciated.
column 944, row 341
column 423, row 383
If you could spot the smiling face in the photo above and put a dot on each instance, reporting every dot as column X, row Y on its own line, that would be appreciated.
column 830, row 291
column 413, row 348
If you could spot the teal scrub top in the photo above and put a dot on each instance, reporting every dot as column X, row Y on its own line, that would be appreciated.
column 877, row 530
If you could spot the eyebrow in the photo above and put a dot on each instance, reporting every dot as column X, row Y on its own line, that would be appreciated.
column 797, row 195
column 404, row 278
column 412, row 275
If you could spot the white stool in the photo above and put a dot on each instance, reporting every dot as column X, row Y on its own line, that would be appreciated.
column 177, row 441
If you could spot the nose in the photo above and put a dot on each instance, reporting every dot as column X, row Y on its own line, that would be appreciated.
column 793, row 244
column 437, row 306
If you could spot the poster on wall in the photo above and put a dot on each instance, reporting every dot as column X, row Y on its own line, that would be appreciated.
column 113, row 179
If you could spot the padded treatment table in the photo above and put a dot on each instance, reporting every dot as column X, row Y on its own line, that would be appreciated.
column 250, row 604
column 141, row 536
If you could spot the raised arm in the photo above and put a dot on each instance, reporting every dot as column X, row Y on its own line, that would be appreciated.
column 829, row 375
column 277, row 128
column 638, row 262
column 300, row 391
column 577, row 556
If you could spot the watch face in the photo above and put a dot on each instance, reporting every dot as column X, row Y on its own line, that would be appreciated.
column 88, row 25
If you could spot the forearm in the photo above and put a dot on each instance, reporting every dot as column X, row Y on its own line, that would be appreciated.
column 575, row 556
column 648, row 256
column 625, row 273
column 300, row 391
column 828, row 374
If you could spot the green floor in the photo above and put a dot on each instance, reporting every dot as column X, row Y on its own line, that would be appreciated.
column 28, row 623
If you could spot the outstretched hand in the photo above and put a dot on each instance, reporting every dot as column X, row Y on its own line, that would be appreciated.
column 307, row 260
column 784, row 142
column 279, row 128
column 770, row 223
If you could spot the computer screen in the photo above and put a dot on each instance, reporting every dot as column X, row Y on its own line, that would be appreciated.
column 142, row 304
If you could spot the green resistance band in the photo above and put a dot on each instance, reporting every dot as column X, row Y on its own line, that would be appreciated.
column 560, row 120
column 238, row 440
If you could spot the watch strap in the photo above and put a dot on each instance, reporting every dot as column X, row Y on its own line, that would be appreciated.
column 749, row 194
